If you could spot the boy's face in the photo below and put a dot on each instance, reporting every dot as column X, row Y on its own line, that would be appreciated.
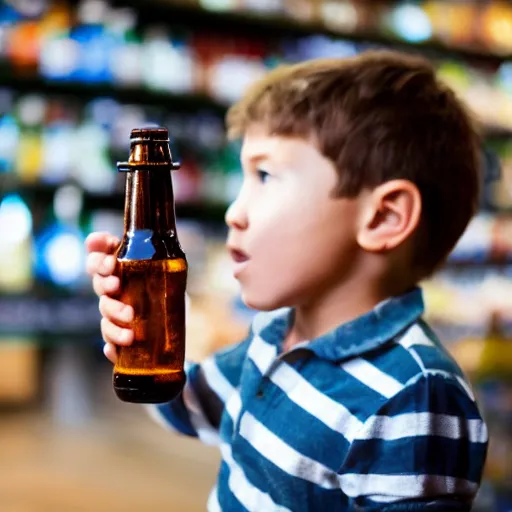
column 290, row 240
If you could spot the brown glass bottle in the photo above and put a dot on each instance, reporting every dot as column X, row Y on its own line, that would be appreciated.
column 152, row 268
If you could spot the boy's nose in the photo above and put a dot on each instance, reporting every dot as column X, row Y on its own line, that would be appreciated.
column 236, row 217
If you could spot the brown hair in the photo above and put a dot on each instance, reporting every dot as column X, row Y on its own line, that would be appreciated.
column 379, row 116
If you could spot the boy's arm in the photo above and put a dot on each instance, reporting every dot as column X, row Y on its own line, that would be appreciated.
column 424, row 450
column 197, row 411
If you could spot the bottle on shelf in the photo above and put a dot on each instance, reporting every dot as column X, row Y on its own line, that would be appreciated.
column 59, row 254
column 15, row 245
column 30, row 152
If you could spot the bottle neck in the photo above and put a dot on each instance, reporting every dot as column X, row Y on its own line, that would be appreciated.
column 149, row 203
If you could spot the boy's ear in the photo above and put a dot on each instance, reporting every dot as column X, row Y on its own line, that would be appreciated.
column 390, row 214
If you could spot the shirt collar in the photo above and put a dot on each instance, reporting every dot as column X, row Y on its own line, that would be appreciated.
column 365, row 333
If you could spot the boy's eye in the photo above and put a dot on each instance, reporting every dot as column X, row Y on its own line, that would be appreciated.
column 262, row 175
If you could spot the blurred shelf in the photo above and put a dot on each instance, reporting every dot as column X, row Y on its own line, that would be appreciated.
column 28, row 82
column 502, row 264
column 279, row 26
column 203, row 211
column 504, row 212
column 76, row 316
column 497, row 132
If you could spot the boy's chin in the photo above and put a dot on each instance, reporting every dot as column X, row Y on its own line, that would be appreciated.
column 261, row 303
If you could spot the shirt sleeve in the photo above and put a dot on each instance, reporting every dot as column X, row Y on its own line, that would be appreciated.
column 198, row 409
column 423, row 450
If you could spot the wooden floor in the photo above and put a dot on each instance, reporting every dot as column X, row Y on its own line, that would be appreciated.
column 114, row 460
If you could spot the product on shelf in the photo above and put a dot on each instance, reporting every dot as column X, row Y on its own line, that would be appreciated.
column 59, row 250
column 476, row 242
column 500, row 192
column 126, row 59
column 31, row 111
column 167, row 62
column 496, row 26
column 92, row 167
column 460, row 300
column 15, row 244
column 453, row 22
column 9, row 132
column 57, row 142
column 344, row 16
column 23, row 45
column 410, row 22
column 58, row 52
column 219, row 5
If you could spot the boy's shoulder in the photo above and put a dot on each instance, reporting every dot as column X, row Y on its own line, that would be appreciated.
column 417, row 350
column 412, row 374
column 417, row 353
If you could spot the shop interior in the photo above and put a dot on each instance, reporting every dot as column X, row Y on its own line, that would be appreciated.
column 75, row 77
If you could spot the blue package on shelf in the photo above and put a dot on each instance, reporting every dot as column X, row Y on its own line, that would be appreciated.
column 9, row 136
column 318, row 46
column 9, row 15
column 60, row 256
column 95, row 46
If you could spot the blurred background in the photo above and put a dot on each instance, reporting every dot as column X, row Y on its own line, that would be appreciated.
column 75, row 78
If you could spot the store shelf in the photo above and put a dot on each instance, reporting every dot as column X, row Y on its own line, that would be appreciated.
column 30, row 82
column 497, row 132
column 280, row 26
column 204, row 211
column 76, row 316
column 497, row 264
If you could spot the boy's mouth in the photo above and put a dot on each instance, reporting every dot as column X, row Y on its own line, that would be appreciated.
column 240, row 259
column 238, row 256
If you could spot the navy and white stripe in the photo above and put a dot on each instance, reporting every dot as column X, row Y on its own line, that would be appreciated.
column 374, row 415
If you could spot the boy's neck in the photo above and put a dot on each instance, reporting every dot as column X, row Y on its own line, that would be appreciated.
column 336, row 308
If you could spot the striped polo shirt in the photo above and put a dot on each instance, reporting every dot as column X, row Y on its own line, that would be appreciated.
column 374, row 415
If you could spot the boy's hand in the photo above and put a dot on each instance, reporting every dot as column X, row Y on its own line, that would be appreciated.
column 117, row 317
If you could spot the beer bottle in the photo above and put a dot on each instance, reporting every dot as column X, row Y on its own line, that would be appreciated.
column 153, row 272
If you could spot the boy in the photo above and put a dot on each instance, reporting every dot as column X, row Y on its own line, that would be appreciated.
column 359, row 177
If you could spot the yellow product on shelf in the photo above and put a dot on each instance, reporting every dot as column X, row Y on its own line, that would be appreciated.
column 16, row 267
column 438, row 298
column 453, row 23
column 487, row 356
column 15, row 245
column 30, row 157
column 496, row 356
column 496, row 26
column 448, row 304
column 30, row 110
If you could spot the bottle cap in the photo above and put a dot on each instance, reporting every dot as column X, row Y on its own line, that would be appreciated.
column 149, row 150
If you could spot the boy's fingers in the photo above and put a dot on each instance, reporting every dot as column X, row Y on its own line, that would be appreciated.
column 110, row 352
column 100, row 263
column 115, row 311
column 101, row 242
column 114, row 334
column 105, row 285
